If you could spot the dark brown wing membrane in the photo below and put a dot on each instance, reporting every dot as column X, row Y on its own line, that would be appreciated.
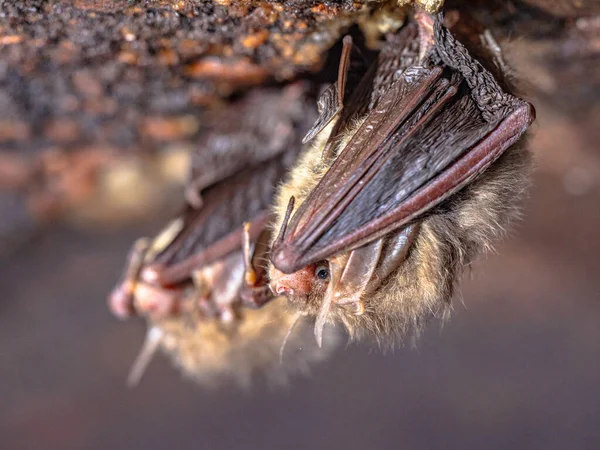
column 363, row 94
column 431, row 132
column 215, row 230
column 258, row 164
column 253, row 129
column 328, row 106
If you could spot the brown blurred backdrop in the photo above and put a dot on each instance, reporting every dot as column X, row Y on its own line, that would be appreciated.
column 518, row 366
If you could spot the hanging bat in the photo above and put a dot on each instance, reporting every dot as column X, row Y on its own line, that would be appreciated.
column 412, row 172
column 232, row 181
column 197, row 281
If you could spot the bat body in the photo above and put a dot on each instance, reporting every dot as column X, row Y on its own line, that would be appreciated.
column 402, row 187
column 200, row 281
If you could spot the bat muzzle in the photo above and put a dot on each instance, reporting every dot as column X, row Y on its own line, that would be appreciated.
column 297, row 283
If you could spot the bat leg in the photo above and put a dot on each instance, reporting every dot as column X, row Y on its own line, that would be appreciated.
column 255, row 291
column 393, row 254
column 121, row 299
column 357, row 274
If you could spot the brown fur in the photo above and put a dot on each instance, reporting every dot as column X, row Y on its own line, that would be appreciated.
column 449, row 239
column 212, row 353
column 210, row 350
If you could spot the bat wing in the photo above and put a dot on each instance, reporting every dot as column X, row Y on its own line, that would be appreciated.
column 206, row 234
column 430, row 134
column 254, row 129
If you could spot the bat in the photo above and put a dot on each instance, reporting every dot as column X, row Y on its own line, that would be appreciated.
column 412, row 171
column 201, row 282
column 232, row 181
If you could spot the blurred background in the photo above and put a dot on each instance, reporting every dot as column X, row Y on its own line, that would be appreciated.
column 516, row 367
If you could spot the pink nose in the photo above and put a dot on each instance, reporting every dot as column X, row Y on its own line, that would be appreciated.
column 281, row 289
column 299, row 282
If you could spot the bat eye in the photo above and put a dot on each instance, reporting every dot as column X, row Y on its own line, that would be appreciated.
column 322, row 272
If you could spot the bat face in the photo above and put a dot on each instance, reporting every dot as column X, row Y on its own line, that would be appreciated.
column 397, row 197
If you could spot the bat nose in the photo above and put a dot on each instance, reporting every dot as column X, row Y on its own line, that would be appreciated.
column 279, row 283
column 299, row 283
column 282, row 289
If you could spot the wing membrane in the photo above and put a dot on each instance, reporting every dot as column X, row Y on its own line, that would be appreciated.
column 428, row 136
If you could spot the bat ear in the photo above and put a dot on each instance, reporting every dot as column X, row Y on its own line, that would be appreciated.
column 286, row 219
column 331, row 102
